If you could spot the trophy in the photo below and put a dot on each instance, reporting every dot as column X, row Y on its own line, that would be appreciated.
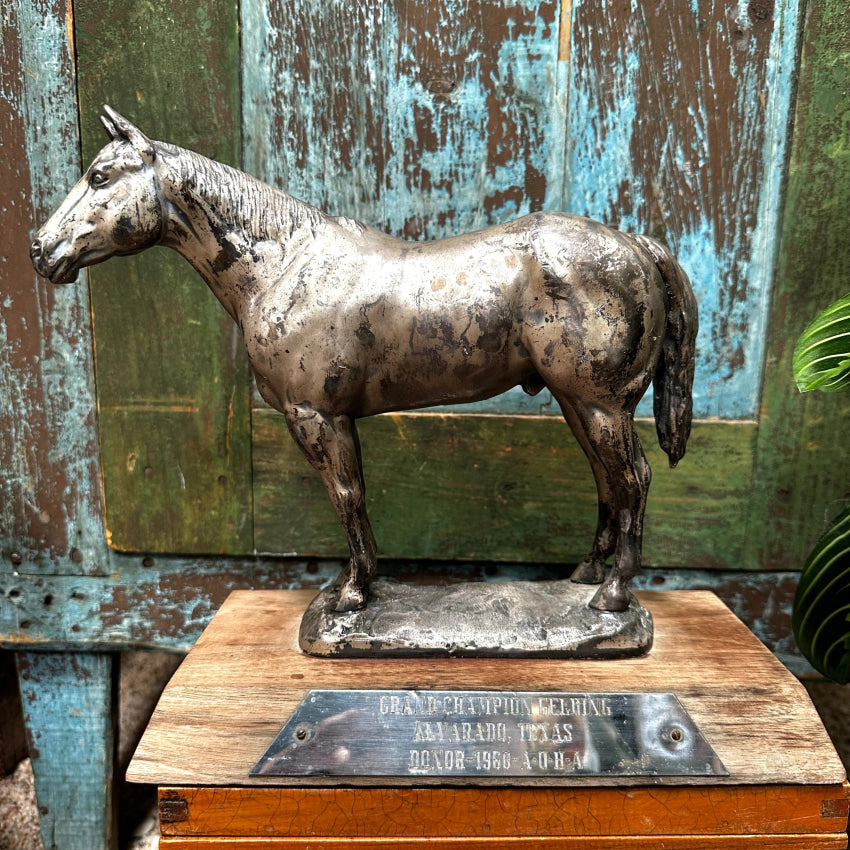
column 411, row 712
column 341, row 321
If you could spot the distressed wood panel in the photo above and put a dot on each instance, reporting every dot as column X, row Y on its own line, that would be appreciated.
column 171, row 374
column 314, row 100
column 49, row 488
column 424, row 119
column 165, row 603
column 678, row 117
column 68, row 709
column 501, row 488
column 477, row 120
column 802, row 478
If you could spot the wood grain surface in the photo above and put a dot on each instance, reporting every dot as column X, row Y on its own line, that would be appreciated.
column 245, row 676
column 656, row 842
column 505, row 812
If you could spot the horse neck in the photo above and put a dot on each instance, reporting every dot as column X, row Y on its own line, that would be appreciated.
column 228, row 224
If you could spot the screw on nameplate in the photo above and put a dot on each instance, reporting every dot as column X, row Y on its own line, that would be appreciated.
column 442, row 734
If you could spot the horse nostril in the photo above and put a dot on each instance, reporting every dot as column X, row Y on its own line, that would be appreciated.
column 36, row 249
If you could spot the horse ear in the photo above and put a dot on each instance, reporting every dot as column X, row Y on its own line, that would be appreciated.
column 119, row 127
column 109, row 127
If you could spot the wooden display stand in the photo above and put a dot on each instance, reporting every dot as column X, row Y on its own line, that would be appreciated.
column 238, row 686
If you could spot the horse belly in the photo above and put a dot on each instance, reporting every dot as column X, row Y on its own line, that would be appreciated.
column 445, row 358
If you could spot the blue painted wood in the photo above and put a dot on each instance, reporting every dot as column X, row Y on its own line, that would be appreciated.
column 50, row 514
column 164, row 603
column 423, row 119
column 68, row 701
column 678, row 124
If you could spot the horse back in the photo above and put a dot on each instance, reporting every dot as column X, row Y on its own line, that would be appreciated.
column 372, row 324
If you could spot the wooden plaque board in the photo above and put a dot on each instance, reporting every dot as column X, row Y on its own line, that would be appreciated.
column 245, row 676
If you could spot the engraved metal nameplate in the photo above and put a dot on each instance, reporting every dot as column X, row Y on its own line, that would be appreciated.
column 488, row 733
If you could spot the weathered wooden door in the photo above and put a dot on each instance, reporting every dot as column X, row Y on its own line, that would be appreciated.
column 426, row 119
column 429, row 119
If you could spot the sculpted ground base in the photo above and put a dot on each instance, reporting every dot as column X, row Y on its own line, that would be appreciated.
column 551, row 619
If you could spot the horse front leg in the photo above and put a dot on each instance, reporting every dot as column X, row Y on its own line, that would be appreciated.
column 330, row 444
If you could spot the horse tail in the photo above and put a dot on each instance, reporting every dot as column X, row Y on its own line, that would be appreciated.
column 674, row 375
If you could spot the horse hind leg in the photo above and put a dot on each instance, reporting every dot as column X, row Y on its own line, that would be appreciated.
column 632, row 487
column 593, row 568
column 332, row 447
column 622, row 478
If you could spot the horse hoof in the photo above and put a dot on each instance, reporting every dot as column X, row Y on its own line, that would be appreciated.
column 612, row 596
column 589, row 572
column 350, row 598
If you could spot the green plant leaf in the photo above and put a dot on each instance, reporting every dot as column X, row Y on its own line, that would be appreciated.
column 821, row 619
column 822, row 355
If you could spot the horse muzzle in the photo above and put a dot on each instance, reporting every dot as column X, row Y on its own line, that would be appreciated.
column 56, row 270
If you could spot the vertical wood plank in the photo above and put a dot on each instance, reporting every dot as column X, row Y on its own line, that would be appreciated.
column 50, row 517
column 423, row 119
column 677, row 127
column 171, row 373
column 802, row 469
column 477, row 120
column 68, row 703
column 314, row 78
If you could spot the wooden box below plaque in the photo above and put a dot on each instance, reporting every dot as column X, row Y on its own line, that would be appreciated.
column 238, row 686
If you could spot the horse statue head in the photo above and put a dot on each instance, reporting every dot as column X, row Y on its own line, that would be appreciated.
column 115, row 208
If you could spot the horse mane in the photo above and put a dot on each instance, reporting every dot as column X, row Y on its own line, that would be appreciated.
column 259, row 210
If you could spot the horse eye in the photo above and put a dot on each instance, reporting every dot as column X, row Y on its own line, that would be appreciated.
column 99, row 179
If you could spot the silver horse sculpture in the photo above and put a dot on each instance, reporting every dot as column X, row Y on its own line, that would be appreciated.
column 341, row 321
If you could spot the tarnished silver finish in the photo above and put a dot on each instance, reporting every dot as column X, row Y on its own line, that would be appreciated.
column 489, row 734
column 550, row 619
column 341, row 321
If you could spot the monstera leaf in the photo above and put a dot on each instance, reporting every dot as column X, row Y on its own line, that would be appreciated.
column 822, row 355
column 821, row 619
